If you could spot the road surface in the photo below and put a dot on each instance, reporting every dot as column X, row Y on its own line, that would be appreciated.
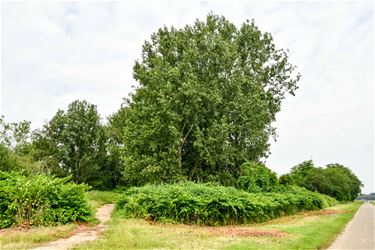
column 360, row 232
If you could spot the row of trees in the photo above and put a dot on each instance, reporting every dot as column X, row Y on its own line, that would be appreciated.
column 74, row 142
column 334, row 180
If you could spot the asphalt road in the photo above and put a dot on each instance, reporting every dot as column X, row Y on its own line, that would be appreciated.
column 360, row 232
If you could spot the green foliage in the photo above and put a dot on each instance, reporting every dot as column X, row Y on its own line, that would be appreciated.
column 207, row 204
column 292, row 189
column 345, row 185
column 15, row 148
column 73, row 142
column 41, row 200
column 15, row 136
column 8, row 160
column 329, row 201
column 207, row 96
column 25, row 164
column 286, row 179
column 335, row 180
column 114, row 165
column 100, row 198
column 256, row 177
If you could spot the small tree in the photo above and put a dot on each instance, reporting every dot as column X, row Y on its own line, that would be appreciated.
column 74, row 139
column 256, row 177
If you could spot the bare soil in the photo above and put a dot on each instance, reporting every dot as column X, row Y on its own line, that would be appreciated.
column 82, row 233
column 244, row 232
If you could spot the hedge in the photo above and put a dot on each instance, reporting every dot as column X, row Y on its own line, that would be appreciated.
column 208, row 204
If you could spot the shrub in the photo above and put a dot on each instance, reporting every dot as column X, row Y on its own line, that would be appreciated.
column 256, row 177
column 208, row 204
column 41, row 200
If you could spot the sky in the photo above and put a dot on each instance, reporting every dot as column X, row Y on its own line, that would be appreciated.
column 55, row 53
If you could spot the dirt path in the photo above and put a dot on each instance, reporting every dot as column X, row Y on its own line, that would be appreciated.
column 103, row 214
column 360, row 232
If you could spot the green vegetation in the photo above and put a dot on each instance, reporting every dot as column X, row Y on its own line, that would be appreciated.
column 308, row 230
column 207, row 96
column 32, row 237
column 335, row 180
column 205, row 204
column 256, row 178
column 74, row 141
column 186, row 146
column 100, row 198
column 41, row 200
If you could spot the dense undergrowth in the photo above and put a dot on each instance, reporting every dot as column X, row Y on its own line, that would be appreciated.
column 208, row 204
column 41, row 200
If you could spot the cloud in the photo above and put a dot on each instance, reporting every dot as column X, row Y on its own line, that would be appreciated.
column 54, row 53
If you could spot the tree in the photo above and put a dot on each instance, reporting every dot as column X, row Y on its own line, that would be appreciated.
column 16, row 148
column 300, row 171
column 286, row 179
column 345, row 185
column 335, row 180
column 256, row 178
column 75, row 141
column 16, row 136
column 114, row 131
column 207, row 96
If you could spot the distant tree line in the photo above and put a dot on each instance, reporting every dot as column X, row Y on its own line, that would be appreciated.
column 334, row 180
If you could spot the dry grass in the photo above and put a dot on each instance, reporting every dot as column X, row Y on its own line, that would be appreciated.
column 24, row 238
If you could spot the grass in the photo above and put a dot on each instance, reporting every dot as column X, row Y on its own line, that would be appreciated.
column 18, row 238
column 308, row 230
column 100, row 198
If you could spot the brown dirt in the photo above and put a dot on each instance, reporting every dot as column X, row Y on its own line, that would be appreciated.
column 82, row 233
column 229, row 231
column 323, row 212
column 244, row 232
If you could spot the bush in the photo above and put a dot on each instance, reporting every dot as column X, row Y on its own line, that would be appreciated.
column 256, row 177
column 286, row 189
column 207, row 204
column 41, row 200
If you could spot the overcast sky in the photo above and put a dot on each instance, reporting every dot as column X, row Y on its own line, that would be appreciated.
column 54, row 53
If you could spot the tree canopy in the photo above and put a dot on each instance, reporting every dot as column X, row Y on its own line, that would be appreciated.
column 75, row 141
column 335, row 180
column 256, row 178
column 207, row 96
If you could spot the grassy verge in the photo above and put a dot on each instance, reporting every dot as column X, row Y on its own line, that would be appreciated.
column 100, row 198
column 17, row 238
column 308, row 230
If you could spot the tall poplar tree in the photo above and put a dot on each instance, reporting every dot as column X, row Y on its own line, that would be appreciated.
column 208, row 94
